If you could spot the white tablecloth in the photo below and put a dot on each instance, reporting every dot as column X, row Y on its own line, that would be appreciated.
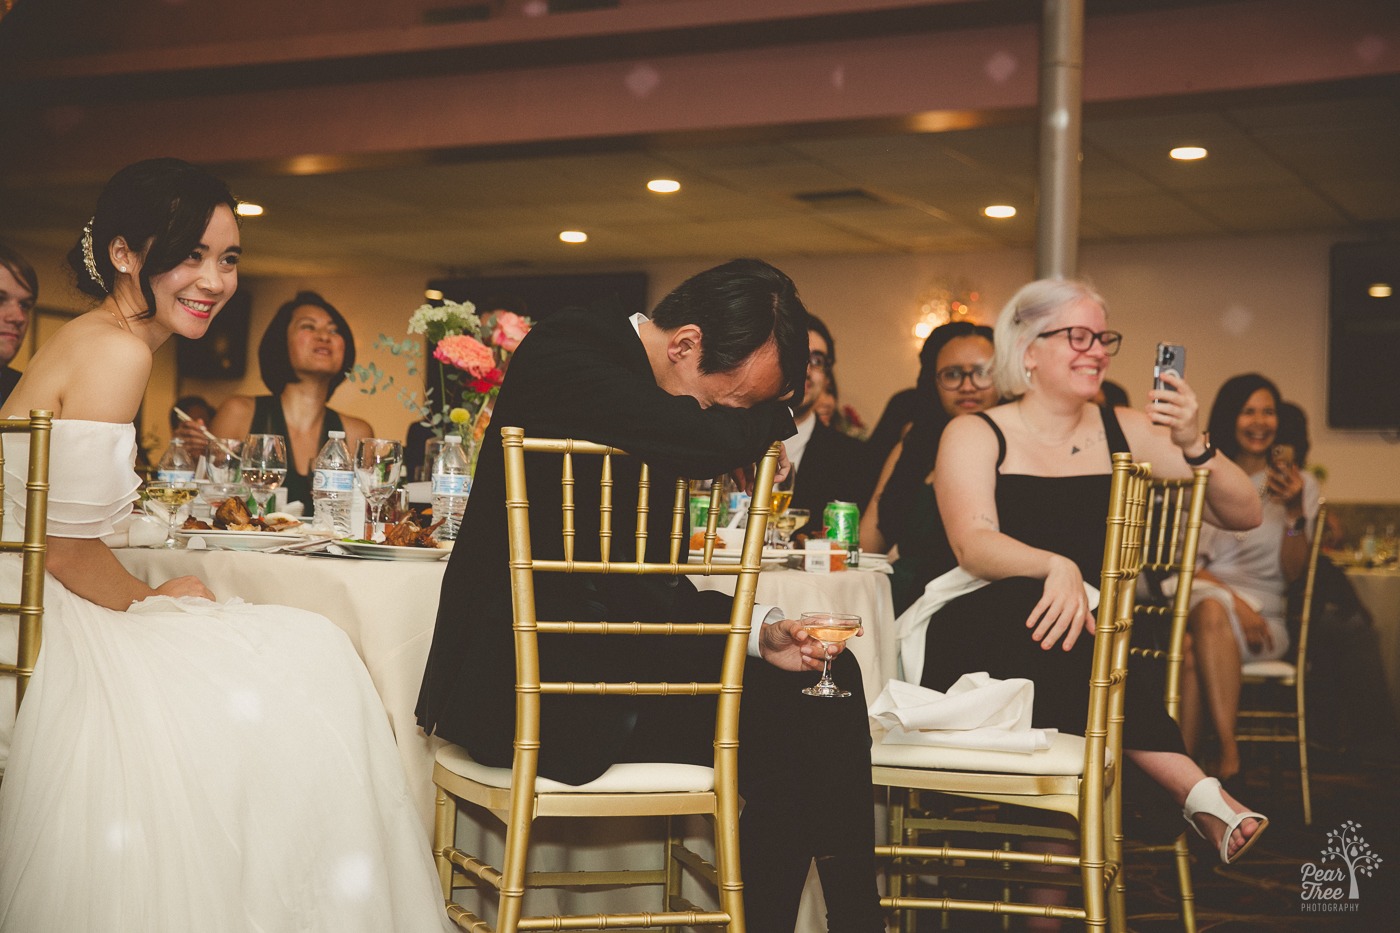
column 388, row 609
column 1379, row 591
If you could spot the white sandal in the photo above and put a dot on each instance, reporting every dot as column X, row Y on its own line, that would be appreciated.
column 1206, row 797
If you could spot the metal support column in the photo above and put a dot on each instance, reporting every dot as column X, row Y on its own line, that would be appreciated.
column 1061, row 102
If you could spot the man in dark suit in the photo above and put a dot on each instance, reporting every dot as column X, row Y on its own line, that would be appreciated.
column 829, row 465
column 19, row 289
column 692, row 391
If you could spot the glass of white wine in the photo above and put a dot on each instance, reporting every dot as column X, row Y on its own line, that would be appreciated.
column 829, row 628
column 787, row 523
column 171, row 497
column 264, row 464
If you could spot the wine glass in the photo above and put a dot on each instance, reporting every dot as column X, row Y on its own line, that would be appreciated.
column 171, row 496
column 778, row 505
column 829, row 628
column 263, row 464
column 223, row 460
column 378, row 463
column 787, row 524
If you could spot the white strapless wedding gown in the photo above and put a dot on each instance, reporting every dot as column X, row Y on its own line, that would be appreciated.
column 194, row 766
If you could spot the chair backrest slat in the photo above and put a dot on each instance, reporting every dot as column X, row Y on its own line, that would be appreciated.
column 1176, row 510
column 33, row 546
column 524, row 566
column 1309, row 586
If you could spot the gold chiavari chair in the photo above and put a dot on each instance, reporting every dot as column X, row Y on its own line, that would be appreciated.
column 1079, row 776
column 518, row 796
column 32, row 544
column 1271, row 724
column 1175, row 510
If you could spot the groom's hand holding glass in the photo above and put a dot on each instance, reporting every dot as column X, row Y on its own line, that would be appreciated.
column 787, row 644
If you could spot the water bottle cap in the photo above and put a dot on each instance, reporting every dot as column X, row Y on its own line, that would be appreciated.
column 453, row 439
column 339, row 434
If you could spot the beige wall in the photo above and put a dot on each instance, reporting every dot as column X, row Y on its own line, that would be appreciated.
column 1238, row 304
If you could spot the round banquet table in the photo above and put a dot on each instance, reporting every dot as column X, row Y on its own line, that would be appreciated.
column 388, row 609
column 1379, row 591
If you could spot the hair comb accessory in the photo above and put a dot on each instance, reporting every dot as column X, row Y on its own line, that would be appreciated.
column 89, row 260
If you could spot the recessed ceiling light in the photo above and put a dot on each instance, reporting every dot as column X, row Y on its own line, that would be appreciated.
column 663, row 185
column 573, row 236
column 1379, row 290
column 432, row 294
column 1188, row 153
column 249, row 209
column 999, row 211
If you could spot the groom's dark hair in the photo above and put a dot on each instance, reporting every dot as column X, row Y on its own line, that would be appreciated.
column 739, row 307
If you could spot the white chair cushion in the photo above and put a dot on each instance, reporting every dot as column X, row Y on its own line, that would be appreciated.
column 1065, row 756
column 627, row 778
column 1277, row 669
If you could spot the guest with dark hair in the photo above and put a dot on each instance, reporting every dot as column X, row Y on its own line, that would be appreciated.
column 19, row 289
column 828, row 463
column 304, row 356
column 903, row 512
column 1238, row 599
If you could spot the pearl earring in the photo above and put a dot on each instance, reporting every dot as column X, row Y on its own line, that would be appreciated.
column 121, row 268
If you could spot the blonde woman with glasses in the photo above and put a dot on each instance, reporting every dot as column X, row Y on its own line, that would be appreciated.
column 1023, row 489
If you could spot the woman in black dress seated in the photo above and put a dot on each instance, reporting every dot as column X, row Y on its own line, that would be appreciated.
column 304, row 355
column 1023, row 490
column 955, row 378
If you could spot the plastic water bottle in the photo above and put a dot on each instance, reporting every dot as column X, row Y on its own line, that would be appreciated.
column 452, row 483
column 176, row 466
column 333, row 485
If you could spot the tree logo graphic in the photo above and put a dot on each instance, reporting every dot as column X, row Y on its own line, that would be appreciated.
column 1331, row 887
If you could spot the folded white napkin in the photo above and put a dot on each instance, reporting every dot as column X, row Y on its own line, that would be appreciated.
column 977, row 712
column 135, row 530
column 912, row 624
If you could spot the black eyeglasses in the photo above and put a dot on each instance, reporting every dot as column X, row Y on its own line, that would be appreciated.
column 951, row 378
column 819, row 360
column 1082, row 338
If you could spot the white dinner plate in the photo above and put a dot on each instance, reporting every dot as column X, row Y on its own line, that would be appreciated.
column 392, row 552
column 732, row 555
column 240, row 540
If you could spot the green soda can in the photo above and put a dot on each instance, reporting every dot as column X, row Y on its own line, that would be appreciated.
column 699, row 511
column 842, row 520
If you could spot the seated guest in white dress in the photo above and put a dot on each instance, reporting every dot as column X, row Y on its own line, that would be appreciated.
column 1238, row 598
column 180, row 764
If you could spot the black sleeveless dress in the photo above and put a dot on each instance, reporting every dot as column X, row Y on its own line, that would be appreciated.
column 269, row 419
column 986, row 629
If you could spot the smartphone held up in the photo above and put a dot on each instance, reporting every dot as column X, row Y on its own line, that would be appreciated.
column 1170, row 356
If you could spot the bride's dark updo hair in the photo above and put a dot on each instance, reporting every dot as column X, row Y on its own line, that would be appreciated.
column 161, row 207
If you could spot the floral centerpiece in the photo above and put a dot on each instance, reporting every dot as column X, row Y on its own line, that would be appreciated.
column 469, row 356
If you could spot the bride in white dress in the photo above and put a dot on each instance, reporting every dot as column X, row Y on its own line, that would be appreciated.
column 180, row 763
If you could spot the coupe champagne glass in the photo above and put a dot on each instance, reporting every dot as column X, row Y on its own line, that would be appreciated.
column 171, row 498
column 378, row 463
column 263, row 465
column 787, row 524
column 829, row 628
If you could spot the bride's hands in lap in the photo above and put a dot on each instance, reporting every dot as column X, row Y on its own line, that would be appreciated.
column 185, row 586
column 1063, row 610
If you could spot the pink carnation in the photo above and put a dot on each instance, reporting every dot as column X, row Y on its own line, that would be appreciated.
column 511, row 328
column 465, row 353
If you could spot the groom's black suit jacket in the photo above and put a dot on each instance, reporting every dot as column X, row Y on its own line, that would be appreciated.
column 583, row 375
